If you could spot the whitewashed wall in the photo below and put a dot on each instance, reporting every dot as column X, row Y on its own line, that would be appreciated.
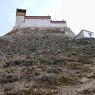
column 19, row 20
column 41, row 23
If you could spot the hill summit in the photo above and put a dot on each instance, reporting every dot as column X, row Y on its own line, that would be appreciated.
column 46, row 62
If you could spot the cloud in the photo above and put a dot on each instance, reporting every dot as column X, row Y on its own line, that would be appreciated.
column 78, row 13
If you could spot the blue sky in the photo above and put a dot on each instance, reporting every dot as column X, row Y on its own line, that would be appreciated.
column 79, row 14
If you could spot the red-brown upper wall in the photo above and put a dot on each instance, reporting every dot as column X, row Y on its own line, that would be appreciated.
column 44, row 17
column 37, row 17
column 58, row 21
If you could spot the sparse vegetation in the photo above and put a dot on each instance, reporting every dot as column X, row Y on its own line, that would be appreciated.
column 88, row 91
column 34, row 63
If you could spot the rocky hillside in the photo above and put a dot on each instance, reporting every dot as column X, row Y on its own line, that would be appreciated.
column 46, row 63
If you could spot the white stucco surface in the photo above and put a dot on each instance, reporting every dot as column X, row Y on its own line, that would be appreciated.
column 22, row 22
column 19, row 20
column 41, row 23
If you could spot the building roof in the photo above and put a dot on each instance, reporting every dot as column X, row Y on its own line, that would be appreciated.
column 37, row 17
column 44, row 17
column 82, row 31
column 58, row 21
column 86, row 31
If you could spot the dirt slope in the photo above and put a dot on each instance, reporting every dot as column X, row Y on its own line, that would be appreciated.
column 46, row 64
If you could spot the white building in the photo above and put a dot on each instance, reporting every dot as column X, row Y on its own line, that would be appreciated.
column 23, row 21
column 85, row 34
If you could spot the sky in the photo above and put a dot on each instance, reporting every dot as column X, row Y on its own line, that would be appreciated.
column 79, row 14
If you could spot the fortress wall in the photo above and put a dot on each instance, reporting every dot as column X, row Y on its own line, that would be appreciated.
column 19, row 20
column 41, row 23
column 40, row 28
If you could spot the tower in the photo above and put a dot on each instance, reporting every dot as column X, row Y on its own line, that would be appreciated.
column 20, row 15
